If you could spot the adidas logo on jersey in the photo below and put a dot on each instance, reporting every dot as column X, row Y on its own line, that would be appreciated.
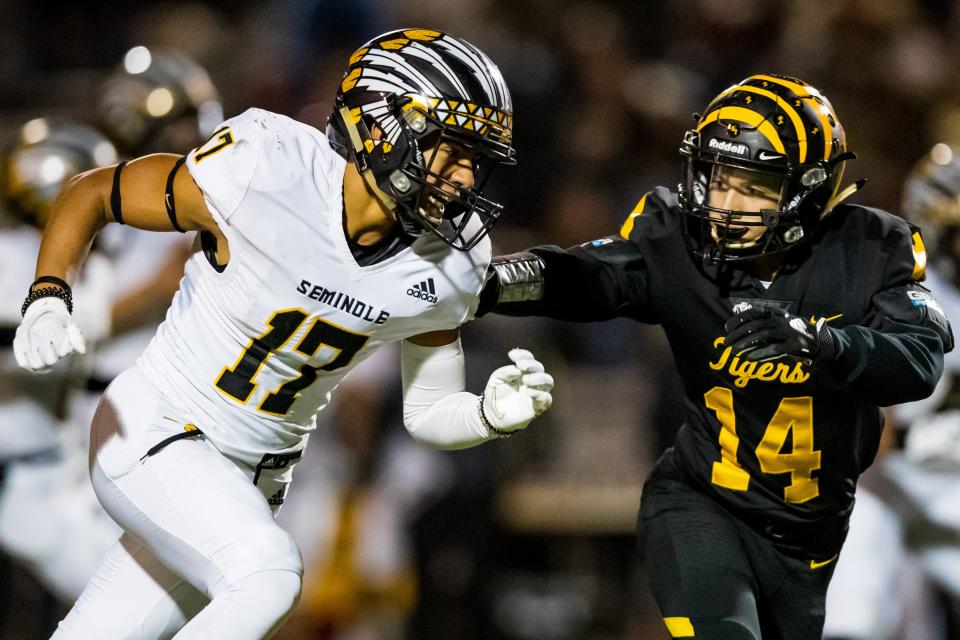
column 277, row 498
column 424, row 290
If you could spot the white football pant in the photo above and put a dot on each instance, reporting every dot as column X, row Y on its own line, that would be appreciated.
column 196, row 529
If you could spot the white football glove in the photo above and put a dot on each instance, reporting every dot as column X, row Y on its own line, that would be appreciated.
column 516, row 394
column 46, row 334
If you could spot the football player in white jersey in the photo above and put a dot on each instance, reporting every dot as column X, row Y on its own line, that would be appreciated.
column 902, row 555
column 49, row 518
column 318, row 250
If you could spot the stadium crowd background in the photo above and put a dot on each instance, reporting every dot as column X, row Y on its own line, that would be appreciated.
column 528, row 538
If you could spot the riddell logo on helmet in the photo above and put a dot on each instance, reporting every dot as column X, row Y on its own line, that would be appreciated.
column 726, row 146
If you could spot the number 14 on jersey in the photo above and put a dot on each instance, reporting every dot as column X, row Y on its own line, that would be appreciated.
column 794, row 415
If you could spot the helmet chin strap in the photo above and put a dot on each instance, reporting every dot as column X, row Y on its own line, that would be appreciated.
column 388, row 201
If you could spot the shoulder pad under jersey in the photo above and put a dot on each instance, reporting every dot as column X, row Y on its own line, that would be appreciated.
column 654, row 213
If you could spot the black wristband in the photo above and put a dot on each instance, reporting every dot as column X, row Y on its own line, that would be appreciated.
column 47, row 292
column 60, row 282
column 500, row 433
column 62, row 291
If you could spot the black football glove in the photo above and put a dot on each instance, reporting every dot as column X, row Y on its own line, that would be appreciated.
column 766, row 334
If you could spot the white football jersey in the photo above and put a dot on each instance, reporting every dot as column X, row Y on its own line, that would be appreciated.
column 254, row 351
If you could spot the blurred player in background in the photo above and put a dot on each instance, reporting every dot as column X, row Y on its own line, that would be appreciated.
column 158, row 100
column 317, row 251
column 154, row 100
column 792, row 317
column 49, row 517
column 906, row 524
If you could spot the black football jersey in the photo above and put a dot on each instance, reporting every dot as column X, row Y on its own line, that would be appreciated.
column 780, row 443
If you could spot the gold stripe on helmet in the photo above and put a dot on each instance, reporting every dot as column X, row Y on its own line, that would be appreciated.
column 783, row 104
column 426, row 35
column 357, row 56
column 809, row 93
column 749, row 117
column 350, row 80
column 395, row 43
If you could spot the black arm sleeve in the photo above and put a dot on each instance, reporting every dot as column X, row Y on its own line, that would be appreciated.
column 597, row 280
column 899, row 358
column 896, row 355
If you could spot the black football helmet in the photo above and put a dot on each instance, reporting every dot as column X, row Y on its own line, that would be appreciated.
column 42, row 155
column 787, row 133
column 158, row 100
column 931, row 200
column 418, row 88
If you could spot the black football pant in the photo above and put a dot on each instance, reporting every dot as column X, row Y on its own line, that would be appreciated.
column 715, row 578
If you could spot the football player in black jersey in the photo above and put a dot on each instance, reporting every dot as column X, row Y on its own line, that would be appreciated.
column 792, row 316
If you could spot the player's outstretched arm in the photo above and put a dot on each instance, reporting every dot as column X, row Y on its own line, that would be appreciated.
column 136, row 195
column 438, row 412
column 597, row 280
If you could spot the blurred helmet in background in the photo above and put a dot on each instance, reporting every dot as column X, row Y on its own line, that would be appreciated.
column 44, row 154
column 931, row 200
column 403, row 94
column 783, row 131
column 158, row 100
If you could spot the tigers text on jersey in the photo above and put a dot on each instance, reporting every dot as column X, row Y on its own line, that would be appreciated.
column 779, row 443
column 251, row 353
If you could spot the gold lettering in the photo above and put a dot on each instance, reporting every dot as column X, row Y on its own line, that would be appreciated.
column 781, row 372
column 716, row 366
column 743, row 371
column 766, row 371
column 798, row 375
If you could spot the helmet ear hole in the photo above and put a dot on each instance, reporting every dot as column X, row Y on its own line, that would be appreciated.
column 416, row 119
column 793, row 234
column 813, row 177
column 400, row 182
